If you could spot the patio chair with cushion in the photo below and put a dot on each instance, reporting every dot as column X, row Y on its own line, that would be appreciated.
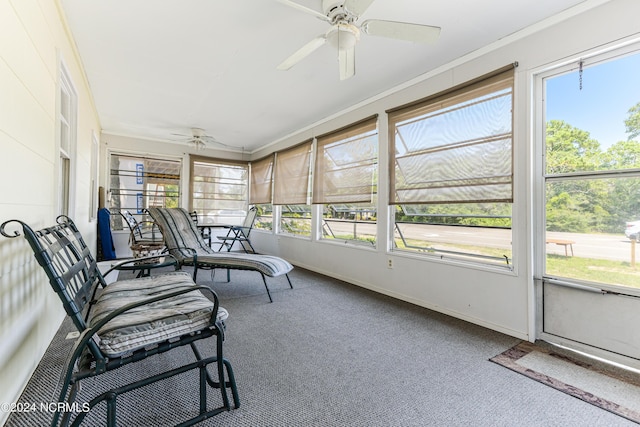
column 125, row 322
column 187, row 246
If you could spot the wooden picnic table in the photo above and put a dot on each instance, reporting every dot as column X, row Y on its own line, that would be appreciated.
column 563, row 242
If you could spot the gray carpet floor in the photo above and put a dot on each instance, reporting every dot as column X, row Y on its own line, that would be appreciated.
column 328, row 353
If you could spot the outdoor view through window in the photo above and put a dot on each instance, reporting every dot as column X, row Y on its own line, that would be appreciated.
column 592, row 171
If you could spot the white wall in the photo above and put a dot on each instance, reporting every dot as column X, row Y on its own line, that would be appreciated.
column 33, row 37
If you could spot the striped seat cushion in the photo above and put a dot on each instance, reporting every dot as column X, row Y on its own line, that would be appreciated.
column 180, row 233
column 268, row 265
column 149, row 324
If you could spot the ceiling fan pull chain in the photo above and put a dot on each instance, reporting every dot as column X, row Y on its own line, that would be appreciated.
column 580, row 73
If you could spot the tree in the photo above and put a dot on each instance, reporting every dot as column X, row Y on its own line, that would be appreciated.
column 570, row 149
column 632, row 122
column 624, row 155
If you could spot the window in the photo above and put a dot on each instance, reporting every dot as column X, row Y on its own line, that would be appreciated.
column 451, row 163
column 592, row 169
column 67, row 133
column 291, row 177
column 219, row 190
column 137, row 183
column 260, row 193
column 345, row 182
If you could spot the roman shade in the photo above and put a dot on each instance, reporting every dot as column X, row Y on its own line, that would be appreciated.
column 456, row 146
column 346, row 164
column 218, row 186
column 291, row 175
column 261, row 180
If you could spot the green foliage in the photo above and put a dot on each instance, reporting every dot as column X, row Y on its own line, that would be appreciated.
column 591, row 205
column 172, row 196
column 570, row 149
column 632, row 123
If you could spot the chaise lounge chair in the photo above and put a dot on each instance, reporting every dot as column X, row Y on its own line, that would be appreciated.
column 187, row 246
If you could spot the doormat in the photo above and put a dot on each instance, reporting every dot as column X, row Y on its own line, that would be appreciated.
column 612, row 389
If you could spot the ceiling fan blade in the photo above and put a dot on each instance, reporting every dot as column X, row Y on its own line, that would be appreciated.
column 304, row 9
column 357, row 7
column 401, row 30
column 212, row 140
column 302, row 53
column 347, row 62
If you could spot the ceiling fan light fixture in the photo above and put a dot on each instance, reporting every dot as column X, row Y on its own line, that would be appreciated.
column 343, row 36
column 197, row 143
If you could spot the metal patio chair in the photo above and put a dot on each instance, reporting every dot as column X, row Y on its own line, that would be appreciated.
column 240, row 233
column 185, row 243
column 126, row 322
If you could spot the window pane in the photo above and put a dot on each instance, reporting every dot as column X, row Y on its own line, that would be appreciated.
column 63, row 195
column 592, row 228
column 264, row 219
column 137, row 183
column 592, row 182
column 296, row 219
column 453, row 180
column 350, row 222
column 594, row 127
column 473, row 231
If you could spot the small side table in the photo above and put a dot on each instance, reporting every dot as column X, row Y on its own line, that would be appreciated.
column 144, row 268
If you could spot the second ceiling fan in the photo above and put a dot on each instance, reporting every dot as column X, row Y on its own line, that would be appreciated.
column 344, row 32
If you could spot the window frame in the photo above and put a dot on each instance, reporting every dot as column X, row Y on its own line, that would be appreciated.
column 116, row 219
column 543, row 178
column 454, row 256
column 299, row 197
column 349, row 204
column 67, row 118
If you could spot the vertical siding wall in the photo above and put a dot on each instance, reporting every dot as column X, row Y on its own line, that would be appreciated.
column 33, row 37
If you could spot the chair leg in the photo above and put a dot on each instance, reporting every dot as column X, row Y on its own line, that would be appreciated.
column 289, row 280
column 264, row 279
column 231, row 383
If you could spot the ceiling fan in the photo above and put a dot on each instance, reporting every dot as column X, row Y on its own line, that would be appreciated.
column 344, row 32
column 199, row 139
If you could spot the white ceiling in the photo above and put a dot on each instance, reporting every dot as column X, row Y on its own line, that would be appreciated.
column 159, row 67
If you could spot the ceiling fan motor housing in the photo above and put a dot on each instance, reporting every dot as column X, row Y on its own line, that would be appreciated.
column 336, row 12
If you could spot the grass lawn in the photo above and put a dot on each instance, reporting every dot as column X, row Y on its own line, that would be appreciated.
column 590, row 269
column 594, row 270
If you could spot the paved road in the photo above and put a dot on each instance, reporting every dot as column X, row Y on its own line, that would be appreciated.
column 599, row 246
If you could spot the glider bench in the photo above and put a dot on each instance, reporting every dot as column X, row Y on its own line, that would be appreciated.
column 126, row 322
